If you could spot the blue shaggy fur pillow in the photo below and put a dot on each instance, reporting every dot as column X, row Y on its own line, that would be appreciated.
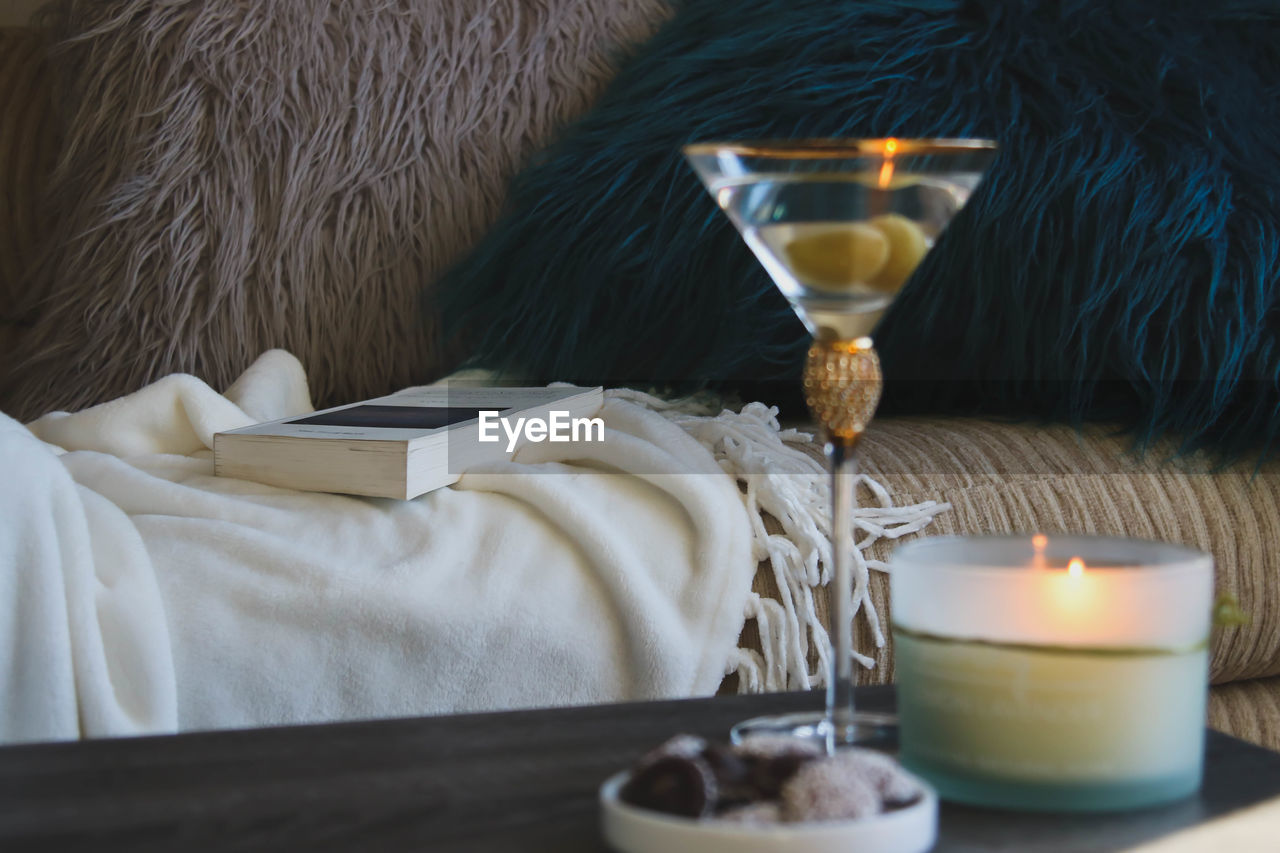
column 1119, row 263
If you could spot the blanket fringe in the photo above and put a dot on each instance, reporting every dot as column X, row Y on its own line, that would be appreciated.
column 778, row 479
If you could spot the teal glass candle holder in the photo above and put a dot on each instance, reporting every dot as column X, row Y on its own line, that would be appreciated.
column 1052, row 673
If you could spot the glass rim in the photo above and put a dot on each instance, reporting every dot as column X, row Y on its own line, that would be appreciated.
column 837, row 147
column 1147, row 555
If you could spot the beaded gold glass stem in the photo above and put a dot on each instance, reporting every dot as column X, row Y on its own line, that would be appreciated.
column 842, row 385
column 840, row 225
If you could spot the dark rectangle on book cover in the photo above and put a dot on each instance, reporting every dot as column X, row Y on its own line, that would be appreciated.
column 393, row 417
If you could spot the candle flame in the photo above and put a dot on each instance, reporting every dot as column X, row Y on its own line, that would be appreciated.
column 1039, row 541
column 886, row 170
column 1075, row 567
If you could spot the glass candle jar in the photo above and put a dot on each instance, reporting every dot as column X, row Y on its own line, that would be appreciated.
column 1060, row 673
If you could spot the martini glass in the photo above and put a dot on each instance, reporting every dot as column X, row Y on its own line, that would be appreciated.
column 840, row 225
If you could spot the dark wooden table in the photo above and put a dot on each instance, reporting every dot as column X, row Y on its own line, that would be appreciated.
column 486, row 782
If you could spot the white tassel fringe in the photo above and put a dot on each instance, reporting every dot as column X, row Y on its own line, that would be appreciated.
column 779, row 479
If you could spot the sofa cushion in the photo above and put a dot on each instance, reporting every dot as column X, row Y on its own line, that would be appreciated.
column 28, row 144
column 1249, row 710
column 1119, row 262
column 240, row 176
column 1017, row 477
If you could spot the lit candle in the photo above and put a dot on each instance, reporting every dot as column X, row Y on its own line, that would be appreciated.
column 1061, row 674
column 886, row 168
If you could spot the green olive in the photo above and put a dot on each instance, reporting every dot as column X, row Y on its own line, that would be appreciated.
column 907, row 246
column 839, row 256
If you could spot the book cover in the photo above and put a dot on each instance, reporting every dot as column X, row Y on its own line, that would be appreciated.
column 405, row 444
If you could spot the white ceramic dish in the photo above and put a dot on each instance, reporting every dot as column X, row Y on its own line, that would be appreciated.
column 635, row 830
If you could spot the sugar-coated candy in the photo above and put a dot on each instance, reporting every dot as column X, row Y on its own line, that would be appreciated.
column 766, row 780
column 830, row 789
column 895, row 787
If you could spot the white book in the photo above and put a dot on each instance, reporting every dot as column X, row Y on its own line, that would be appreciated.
column 402, row 445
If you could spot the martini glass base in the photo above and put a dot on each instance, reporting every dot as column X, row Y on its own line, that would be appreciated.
column 869, row 729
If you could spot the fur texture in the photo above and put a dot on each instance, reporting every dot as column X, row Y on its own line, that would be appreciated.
column 1120, row 261
column 241, row 175
column 27, row 146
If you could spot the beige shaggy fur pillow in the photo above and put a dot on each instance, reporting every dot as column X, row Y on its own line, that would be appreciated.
column 243, row 174
column 28, row 142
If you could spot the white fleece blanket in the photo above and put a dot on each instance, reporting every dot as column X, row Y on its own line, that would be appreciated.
column 139, row 593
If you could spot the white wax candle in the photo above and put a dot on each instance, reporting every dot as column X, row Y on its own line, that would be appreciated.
column 1068, row 676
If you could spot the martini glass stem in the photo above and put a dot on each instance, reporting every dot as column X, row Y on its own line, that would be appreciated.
column 842, row 384
column 840, row 710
